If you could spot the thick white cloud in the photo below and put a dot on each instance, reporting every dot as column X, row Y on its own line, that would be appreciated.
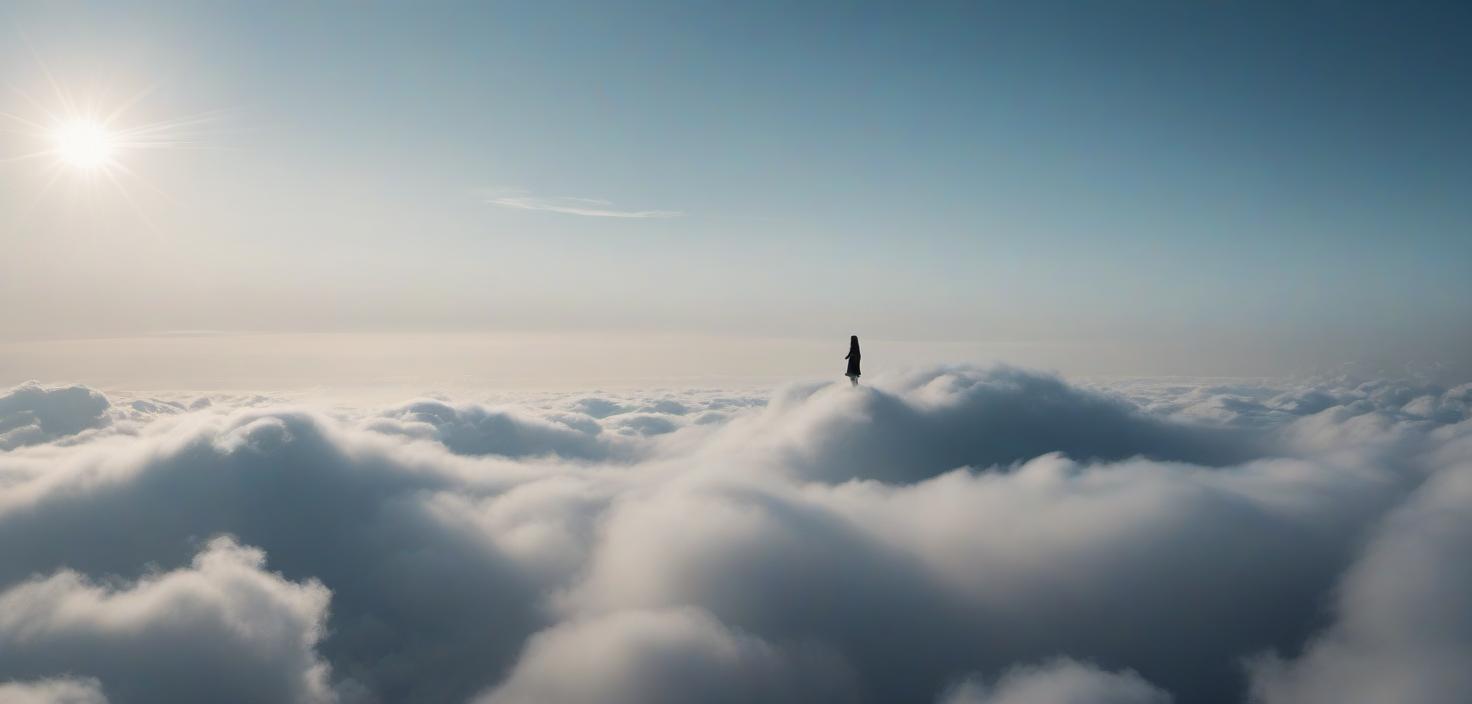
column 53, row 691
column 1403, row 631
column 927, row 423
column 1157, row 566
column 676, row 655
column 222, row 629
column 32, row 413
column 1060, row 682
column 473, row 429
column 828, row 544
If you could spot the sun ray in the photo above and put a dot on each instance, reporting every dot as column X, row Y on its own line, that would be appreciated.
column 29, row 123
column 62, row 95
column 140, row 180
column 132, row 203
column 126, row 105
column 27, row 157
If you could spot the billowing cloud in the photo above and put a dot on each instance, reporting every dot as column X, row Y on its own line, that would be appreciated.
column 1403, row 630
column 679, row 655
column 928, row 423
column 221, row 629
column 53, row 691
column 957, row 534
column 32, row 413
column 472, row 429
column 645, row 424
column 1060, row 682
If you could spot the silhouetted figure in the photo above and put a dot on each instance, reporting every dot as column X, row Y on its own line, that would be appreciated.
column 853, row 360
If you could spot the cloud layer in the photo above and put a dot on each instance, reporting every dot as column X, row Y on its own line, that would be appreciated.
column 955, row 535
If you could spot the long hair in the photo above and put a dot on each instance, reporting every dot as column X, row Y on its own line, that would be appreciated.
column 853, row 343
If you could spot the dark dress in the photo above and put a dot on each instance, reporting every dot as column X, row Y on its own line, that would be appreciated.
column 853, row 361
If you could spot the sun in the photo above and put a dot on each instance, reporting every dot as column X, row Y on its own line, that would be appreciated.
column 84, row 144
column 90, row 141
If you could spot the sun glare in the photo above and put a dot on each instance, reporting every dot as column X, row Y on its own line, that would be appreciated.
column 83, row 144
column 89, row 141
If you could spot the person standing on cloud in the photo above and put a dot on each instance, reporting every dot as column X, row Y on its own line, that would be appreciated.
column 853, row 360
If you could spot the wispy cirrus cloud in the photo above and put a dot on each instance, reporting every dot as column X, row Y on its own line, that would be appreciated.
column 586, row 207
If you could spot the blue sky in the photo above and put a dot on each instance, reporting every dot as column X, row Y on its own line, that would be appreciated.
column 1204, row 182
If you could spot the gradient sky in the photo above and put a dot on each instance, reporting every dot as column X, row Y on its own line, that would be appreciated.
column 1137, row 187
